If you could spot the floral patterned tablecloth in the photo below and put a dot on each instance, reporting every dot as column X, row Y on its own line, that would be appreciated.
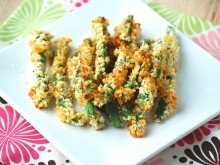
column 21, row 143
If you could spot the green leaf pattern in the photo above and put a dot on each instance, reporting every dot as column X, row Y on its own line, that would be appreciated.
column 30, row 15
column 186, row 23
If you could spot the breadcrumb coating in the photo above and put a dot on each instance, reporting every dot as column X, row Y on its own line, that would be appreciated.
column 147, row 94
column 128, row 30
column 100, row 37
column 80, row 71
column 118, row 76
column 41, row 50
column 135, row 120
column 64, row 105
column 111, row 82
column 168, row 101
column 142, row 63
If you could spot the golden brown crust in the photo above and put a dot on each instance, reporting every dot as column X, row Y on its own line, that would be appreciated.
column 40, row 52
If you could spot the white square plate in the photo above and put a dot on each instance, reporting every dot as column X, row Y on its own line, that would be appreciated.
column 198, row 89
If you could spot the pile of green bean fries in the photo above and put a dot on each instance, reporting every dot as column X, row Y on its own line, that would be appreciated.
column 120, row 76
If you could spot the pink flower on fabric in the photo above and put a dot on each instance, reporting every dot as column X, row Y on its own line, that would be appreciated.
column 210, row 42
column 17, row 137
column 155, row 161
column 77, row 4
column 198, row 134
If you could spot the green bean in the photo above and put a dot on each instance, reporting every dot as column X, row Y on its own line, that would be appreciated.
column 110, row 111
column 90, row 108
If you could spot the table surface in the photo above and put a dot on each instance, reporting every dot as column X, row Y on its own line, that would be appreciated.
column 207, row 9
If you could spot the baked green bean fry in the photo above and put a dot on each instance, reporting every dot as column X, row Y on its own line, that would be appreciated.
column 168, row 101
column 87, row 57
column 148, row 88
column 100, row 37
column 80, row 74
column 64, row 106
column 41, row 50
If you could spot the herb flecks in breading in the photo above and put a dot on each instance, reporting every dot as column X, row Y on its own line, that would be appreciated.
column 100, row 37
column 168, row 101
column 80, row 70
column 64, row 105
column 128, row 30
column 135, row 120
column 41, row 50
